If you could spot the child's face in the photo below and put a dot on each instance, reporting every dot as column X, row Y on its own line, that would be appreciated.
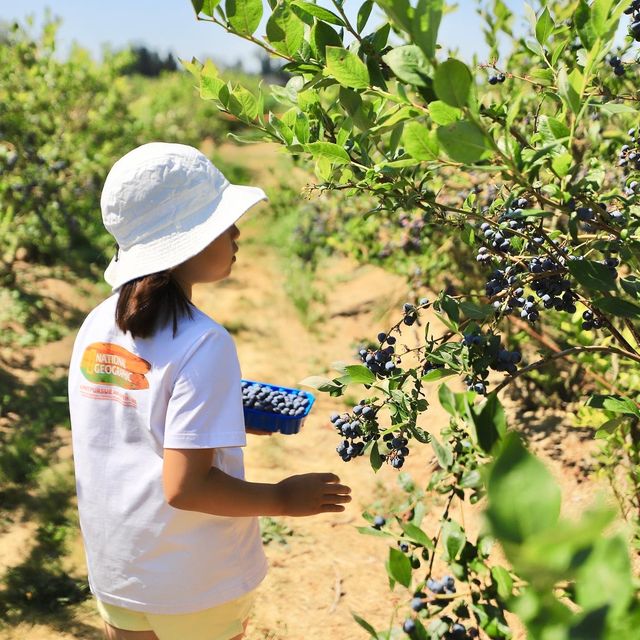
column 213, row 263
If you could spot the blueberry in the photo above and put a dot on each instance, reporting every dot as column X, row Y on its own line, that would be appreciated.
column 409, row 626
column 417, row 604
column 458, row 632
column 382, row 337
column 378, row 522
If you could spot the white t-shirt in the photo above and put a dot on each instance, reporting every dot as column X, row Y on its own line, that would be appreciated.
column 128, row 399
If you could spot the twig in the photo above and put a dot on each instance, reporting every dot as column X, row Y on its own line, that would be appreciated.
column 563, row 354
column 337, row 590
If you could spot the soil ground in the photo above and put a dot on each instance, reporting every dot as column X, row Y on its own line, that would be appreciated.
column 325, row 569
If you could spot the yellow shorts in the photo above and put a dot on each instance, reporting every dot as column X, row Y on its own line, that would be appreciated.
column 221, row 622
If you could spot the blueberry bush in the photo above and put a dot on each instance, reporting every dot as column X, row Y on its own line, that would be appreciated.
column 513, row 184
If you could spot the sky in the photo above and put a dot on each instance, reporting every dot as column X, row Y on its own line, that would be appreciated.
column 170, row 26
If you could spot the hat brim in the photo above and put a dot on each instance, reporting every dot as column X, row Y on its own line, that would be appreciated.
column 180, row 245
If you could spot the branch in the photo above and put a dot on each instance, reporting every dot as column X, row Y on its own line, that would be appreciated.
column 563, row 354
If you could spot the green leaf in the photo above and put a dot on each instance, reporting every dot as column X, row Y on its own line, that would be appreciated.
column 285, row 30
column 419, row 142
column 409, row 64
column 378, row 533
column 451, row 308
column 210, row 81
column 425, row 24
column 328, row 151
column 374, row 457
column 323, row 36
column 524, row 500
column 593, row 275
column 471, row 479
column 244, row 15
column 544, row 26
column 503, row 581
column 605, row 578
column 347, row 68
column 562, row 164
column 553, row 130
column 489, row 423
column 447, row 400
column 206, row 7
column 631, row 286
column 437, row 374
column 315, row 382
column 568, row 88
column 614, row 108
column 399, row 11
column 248, row 102
column 399, row 567
column 358, row 373
column 618, row 307
column 453, row 539
column 463, row 141
column 363, row 15
column 476, row 311
column 441, row 113
column 365, row 625
column 584, row 25
column 416, row 534
column 453, row 82
column 318, row 12
column 443, row 453
column 615, row 404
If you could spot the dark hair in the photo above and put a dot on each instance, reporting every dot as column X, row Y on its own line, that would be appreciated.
column 149, row 302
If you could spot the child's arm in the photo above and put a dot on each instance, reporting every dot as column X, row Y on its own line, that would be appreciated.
column 192, row 484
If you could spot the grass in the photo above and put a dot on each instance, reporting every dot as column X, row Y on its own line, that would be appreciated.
column 274, row 530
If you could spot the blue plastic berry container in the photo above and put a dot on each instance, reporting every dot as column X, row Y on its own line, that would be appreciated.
column 270, row 421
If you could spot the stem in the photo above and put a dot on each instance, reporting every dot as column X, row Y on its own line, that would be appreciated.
column 343, row 15
column 550, row 344
column 563, row 354
column 452, row 495
column 248, row 37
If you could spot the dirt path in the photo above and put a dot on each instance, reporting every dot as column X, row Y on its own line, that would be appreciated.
column 327, row 569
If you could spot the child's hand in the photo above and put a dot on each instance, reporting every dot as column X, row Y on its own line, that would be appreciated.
column 257, row 432
column 312, row 493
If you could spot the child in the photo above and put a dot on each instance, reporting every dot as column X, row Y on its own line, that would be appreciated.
column 169, row 524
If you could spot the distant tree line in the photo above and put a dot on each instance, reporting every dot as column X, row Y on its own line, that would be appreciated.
column 149, row 63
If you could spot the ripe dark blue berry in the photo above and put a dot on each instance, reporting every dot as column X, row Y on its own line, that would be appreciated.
column 417, row 604
column 409, row 626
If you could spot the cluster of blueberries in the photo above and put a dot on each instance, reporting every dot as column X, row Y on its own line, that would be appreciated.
column 351, row 427
column 498, row 78
column 380, row 361
column 552, row 289
column 616, row 64
column 503, row 360
column 263, row 397
column 586, row 215
column 629, row 156
column 499, row 238
column 633, row 10
column 397, row 445
column 446, row 585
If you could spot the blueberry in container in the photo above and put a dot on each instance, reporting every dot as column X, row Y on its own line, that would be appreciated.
column 272, row 408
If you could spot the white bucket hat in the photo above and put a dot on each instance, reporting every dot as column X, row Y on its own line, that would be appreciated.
column 164, row 203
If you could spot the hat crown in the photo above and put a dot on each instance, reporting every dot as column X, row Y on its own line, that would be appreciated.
column 158, row 189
